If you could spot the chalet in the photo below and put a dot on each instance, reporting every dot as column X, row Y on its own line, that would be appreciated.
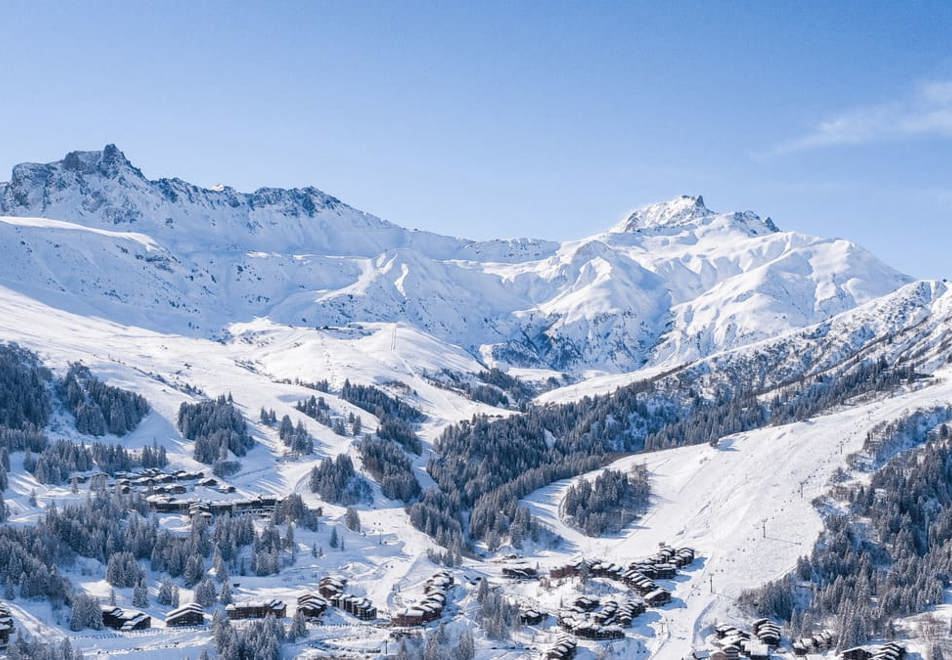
column 166, row 504
column 607, row 612
column 359, row 607
column 767, row 632
column 256, row 609
column 585, row 603
column 531, row 617
column 725, row 654
column 824, row 639
column 607, row 569
column 890, row 651
column 726, row 630
column 645, row 568
column 208, row 483
column 658, row 597
column 186, row 615
column 432, row 605
column 571, row 570
column 125, row 620
column 582, row 626
column 410, row 616
column 520, row 572
column 563, row 649
column 757, row 651
column 331, row 586
column 441, row 580
column 6, row 625
column 628, row 611
column 856, row 653
column 683, row 557
column 311, row 605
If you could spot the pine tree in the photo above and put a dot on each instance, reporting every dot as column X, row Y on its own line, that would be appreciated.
column 298, row 629
column 140, row 595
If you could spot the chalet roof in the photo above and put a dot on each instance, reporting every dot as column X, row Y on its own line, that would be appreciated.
column 184, row 609
column 271, row 604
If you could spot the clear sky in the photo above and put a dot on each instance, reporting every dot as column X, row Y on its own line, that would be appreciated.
column 490, row 119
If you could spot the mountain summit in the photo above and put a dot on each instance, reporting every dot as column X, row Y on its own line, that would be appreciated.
column 688, row 211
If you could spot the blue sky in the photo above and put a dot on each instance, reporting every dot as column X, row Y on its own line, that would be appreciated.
column 513, row 118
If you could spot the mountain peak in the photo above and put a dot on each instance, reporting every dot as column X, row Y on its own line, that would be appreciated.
column 687, row 211
column 110, row 162
column 672, row 213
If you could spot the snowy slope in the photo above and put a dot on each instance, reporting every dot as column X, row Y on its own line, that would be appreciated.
column 673, row 282
column 718, row 500
column 159, row 286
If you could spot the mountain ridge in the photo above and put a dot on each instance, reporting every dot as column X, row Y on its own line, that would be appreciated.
column 673, row 282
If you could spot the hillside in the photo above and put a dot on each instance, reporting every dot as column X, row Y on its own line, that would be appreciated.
column 442, row 395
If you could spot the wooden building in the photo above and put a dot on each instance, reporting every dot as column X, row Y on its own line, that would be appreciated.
column 311, row 605
column 331, row 586
column 658, row 597
column 563, row 649
column 358, row 606
column 191, row 614
column 256, row 609
column 120, row 619
column 856, row 653
column 531, row 617
column 6, row 624
column 520, row 572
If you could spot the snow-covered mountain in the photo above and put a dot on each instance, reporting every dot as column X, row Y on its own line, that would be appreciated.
column 672, row 282
column 181, row 294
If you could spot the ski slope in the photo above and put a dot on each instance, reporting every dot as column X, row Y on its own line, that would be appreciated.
column 740, row 506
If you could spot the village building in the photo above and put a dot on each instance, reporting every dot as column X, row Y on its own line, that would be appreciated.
column 252, row 609
column 563, row 649
column 6, row 624
column 191, row 614
column 658, row 597
column 358, row 606
column 331, row 586
column 125, row 620
column 520, row 572
column 311, row 605
column 531, row 617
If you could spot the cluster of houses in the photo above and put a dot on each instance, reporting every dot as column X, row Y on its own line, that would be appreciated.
column 563, row 649
column 155, row 480
column 818, row 643
column 312, row 605
column 332, row 588
column 530, row 616
column 118, row 618
column 6, row 624
column 435, row 591
column 581, row 619
column 734, row 642
column 256, row 609
column 888, row 651
column 639, row 575
column 613, row 613
column 260, row 505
